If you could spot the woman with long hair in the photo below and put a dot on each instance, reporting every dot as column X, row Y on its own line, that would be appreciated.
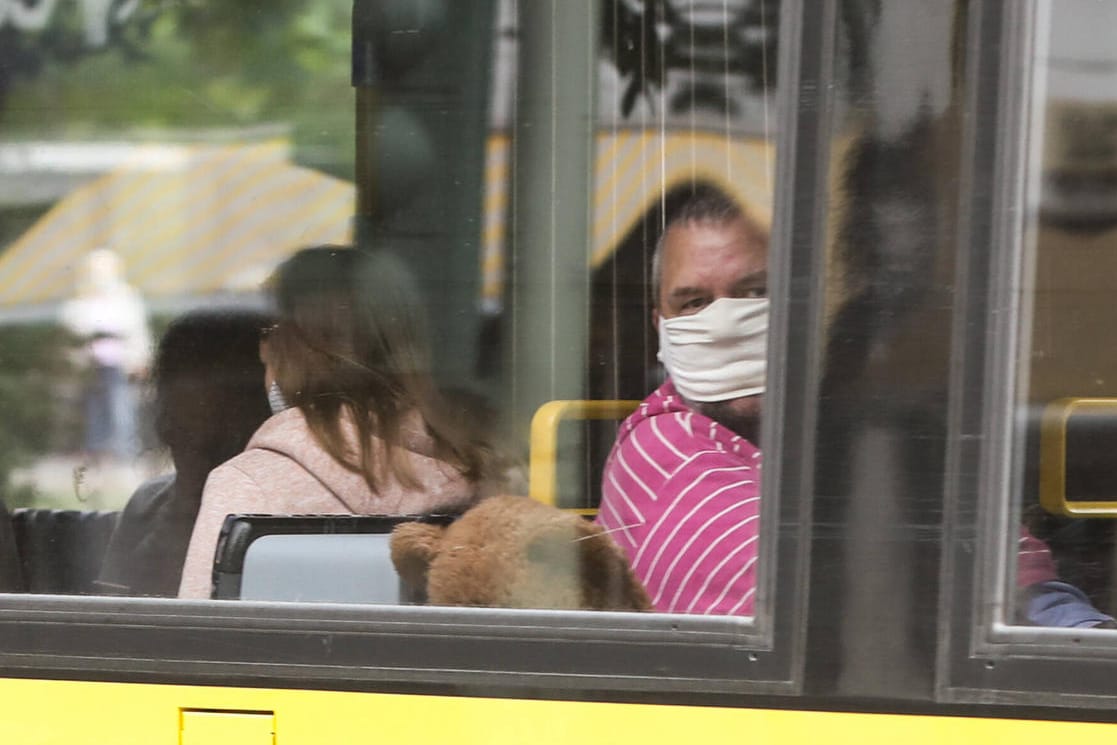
column 359, row 426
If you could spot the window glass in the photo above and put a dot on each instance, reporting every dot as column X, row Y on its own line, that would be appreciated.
column 696, row 115
column 186, row 333
column 1062, row 573
column 156, row 159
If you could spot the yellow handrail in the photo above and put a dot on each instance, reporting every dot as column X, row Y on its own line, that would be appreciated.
column 542, row 470
column 1053, row 458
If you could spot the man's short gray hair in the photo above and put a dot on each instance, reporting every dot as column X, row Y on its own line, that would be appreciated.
column 705, row 203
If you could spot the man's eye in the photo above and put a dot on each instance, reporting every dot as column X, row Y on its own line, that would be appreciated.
column 694, row 303
column 755, row 292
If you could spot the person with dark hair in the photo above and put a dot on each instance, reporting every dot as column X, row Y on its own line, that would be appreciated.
column 208, row 401
column 107, row 317
column 359, row 425
column 681, row 488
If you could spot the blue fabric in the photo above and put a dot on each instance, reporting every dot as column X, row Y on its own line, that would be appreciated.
column 110, row 414
column 1055, row 603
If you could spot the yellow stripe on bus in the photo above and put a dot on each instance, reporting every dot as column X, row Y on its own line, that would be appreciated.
column 56, row 712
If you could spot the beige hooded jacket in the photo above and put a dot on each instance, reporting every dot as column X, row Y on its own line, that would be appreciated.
column 284, row 470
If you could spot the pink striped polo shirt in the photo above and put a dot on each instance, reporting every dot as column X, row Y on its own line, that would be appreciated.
column 681, row 496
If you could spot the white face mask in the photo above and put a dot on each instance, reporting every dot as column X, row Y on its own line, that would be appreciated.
column 275, row 398
column 720, row 352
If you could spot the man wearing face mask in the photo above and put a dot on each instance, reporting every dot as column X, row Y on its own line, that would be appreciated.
column 681, row 488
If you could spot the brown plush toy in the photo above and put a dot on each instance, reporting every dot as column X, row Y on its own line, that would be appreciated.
column 514, row 552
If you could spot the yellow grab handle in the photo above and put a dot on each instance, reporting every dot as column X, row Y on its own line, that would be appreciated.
column 1053, row 457
column 542, row 470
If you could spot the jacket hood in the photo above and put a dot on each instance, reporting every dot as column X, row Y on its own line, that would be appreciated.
column 440, row 485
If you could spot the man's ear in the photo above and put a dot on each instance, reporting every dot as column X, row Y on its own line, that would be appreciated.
column 655, row 319
column 414, row 546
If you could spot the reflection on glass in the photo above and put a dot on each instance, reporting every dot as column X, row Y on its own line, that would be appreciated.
column 208, row 401
column 155, row 160
column 1065, row 571
column 192, row 151
column 108, row 321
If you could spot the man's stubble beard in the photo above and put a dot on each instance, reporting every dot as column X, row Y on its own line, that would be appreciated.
column 740, row 415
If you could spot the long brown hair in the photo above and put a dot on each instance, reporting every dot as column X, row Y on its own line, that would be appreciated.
column 351, row 344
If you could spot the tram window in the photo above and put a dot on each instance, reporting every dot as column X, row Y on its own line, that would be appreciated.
column 158, row 163
column 1067, row 365
column 155, row 162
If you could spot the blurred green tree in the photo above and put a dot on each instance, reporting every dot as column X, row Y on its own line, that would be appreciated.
column 153, row 70
column 183, row 64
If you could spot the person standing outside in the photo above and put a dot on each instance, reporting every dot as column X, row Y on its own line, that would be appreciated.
column 107, row 316
column 681, row 487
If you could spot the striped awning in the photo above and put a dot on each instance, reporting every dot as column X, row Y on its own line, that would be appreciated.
column 200, row 220
column 633, row 170
column 196, row 220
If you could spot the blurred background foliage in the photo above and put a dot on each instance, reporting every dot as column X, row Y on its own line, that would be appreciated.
column 165, row 71
column 33, row 360
column 187, row 65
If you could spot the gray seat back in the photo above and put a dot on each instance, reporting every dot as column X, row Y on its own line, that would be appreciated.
column 312, row 558
column 327, row 567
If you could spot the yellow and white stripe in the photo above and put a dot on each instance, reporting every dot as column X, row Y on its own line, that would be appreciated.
column 633, row 170
column 221, row 217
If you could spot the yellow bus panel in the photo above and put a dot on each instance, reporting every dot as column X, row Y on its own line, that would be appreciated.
column 38, row 712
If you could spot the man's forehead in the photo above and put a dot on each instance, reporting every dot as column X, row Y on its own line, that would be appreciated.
column 694, row 243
